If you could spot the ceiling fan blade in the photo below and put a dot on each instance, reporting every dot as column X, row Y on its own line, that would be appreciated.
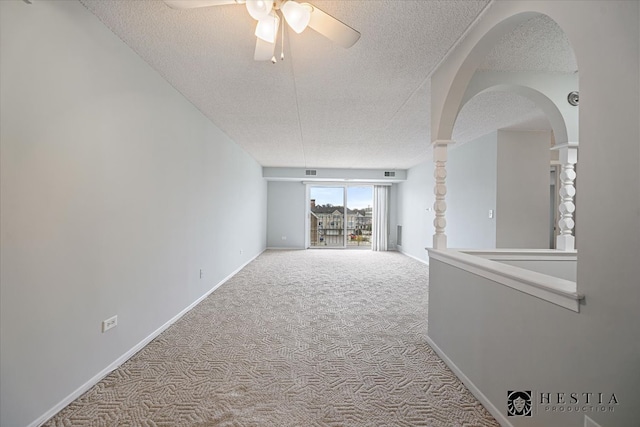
column 192, row 4
column 332, row 28
column 264, row 50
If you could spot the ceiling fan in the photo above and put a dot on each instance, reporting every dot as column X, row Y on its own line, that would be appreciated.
column 299, row 16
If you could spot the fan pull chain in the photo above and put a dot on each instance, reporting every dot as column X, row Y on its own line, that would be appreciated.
column 282, row 44
column 275, row 32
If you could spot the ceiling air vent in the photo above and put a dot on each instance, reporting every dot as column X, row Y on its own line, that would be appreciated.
column 310, row 172
column 389, row 174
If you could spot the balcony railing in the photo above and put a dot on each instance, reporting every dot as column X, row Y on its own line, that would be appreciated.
column 333, row 237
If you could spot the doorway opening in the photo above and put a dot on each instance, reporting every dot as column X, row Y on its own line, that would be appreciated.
column 331, row 225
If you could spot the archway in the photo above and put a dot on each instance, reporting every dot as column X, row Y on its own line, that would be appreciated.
column 543, row 88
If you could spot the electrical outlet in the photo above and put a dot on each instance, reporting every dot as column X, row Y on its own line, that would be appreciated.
column 110, row 323
column 491, row 213
column 201, row 274
column 241, row 251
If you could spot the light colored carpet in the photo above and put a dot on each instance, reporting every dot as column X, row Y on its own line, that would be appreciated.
column 297, row 338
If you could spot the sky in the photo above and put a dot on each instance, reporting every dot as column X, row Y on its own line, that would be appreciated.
column 357, row 197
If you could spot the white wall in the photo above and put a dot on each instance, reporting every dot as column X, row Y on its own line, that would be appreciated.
column 287, row 209
column 501, row 338
column 115, row 192
column 471, row 193
column 286, row 214
column 415, row 201
column 504, row 171
column 522, row 208
column 328, row 175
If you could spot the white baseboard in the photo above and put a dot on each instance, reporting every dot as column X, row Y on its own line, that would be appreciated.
column 588, row 422
column 499, row 416
column 126, row 356
column 412, row 256
column 280, row 248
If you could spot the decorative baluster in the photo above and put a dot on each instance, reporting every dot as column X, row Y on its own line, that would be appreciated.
column 565, row 241
column 440, row 190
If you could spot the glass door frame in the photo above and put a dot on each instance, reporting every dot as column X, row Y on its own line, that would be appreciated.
column 345, row 216
column 307, row 216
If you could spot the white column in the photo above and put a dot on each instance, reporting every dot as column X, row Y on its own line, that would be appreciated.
column 440, row 206
column 565, row 241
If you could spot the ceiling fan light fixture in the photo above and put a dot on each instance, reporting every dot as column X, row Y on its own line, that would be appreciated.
column 297, row 15
column 259, row 9
column 267, row 28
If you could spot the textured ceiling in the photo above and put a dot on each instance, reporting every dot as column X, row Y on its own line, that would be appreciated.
column 537, row 45
column 488, row 111
column 326, row 106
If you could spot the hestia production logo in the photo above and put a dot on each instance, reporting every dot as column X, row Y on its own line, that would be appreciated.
column 519, row 403
column 526, row 403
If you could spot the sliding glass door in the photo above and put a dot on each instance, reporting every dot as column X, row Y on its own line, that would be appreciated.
column 326, row 217
column 359, row 216
column 330, row 225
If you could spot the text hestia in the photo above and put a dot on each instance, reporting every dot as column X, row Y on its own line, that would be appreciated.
column 578, row 398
